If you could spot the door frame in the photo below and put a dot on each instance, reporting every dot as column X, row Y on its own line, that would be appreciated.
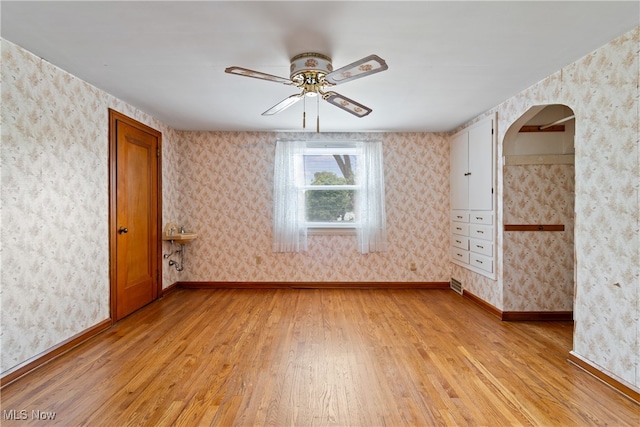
column 114, row 117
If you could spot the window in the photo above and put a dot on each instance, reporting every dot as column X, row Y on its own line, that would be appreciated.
column 331, row 180
column 328, row 185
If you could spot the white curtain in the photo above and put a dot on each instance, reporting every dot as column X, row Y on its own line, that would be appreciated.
column 289, row 228
column 372, row 233
column 289, row 232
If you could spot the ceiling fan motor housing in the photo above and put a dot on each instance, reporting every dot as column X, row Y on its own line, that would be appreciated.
column 309, row 63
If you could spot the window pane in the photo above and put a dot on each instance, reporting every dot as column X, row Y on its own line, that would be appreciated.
column 330, row 169
column 329, row 206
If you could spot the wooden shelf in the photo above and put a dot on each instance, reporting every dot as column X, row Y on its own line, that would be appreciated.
column 534, row 227
column 535, row 128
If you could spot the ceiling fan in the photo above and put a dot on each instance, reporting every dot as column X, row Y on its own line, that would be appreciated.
column 313, row 74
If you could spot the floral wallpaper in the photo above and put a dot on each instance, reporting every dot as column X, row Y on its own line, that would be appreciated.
column 54, row 206
column 538, row 266
column 607, row 215
column 602, row 90
column 226, row 197
column 54, row 236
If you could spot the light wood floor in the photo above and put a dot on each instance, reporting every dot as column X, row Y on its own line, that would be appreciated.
column 319, row 357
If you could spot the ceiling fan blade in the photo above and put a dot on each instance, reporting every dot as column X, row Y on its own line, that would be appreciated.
column 257, row 75
column 283, row 105
column 347, row 104
column 365, row 67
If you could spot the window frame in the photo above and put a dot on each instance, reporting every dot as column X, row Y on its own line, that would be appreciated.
column 326, row 148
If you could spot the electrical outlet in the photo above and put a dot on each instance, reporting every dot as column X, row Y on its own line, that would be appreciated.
column 412, row 266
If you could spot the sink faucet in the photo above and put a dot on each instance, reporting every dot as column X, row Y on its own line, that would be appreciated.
column 182, row 230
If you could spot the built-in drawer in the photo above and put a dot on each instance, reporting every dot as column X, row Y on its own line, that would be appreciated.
column 460, row 228
column 460, row 242
column 479, row 246
column 484, row 232
column 482, row 262
column 460, row 216
column 460, row 255
column 481, row 218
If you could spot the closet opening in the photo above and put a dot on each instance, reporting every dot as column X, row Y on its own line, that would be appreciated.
column 538, row 214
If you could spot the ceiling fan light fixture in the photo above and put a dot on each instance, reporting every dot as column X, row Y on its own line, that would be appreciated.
column 310, row 62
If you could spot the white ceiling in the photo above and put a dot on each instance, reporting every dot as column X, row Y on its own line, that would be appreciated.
column 448, row 61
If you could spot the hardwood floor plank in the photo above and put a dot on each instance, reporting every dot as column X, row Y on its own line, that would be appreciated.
column 319, row 357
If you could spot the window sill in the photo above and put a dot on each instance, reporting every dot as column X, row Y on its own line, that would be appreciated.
column 331, row 231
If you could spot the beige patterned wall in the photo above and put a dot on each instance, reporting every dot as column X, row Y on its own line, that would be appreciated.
column 54, row 234
column 607, row 217
column 225, row 194
column 538, row 266
column 602, row 90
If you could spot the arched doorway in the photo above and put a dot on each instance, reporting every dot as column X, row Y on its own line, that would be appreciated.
column 538, row 212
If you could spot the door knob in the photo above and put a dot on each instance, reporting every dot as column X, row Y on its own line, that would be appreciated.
column 123, row 230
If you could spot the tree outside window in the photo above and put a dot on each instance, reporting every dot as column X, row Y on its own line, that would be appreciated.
column 330, row 189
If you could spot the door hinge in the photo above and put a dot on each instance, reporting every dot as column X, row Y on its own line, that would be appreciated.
column 158, row 152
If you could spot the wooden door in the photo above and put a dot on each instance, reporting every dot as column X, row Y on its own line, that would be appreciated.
column 134, row 214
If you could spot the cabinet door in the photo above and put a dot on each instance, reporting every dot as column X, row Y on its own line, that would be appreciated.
column 459, row 162
column 481, row 166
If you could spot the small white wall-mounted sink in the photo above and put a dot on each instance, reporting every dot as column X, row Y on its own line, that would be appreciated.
column 182, row 238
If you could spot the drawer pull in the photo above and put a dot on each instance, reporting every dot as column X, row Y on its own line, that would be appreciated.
column 480, row 232
column 479, row 217
column 459, row 216
column 467, row 174
column 458, row 228
column 479, row 247
column 478, row 261
column 458, row 241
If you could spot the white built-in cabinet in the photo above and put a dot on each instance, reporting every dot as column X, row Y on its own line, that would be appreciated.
column 472, row 197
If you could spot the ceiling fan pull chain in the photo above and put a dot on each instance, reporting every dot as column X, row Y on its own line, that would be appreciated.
column 318, row 118
column 304, row 112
